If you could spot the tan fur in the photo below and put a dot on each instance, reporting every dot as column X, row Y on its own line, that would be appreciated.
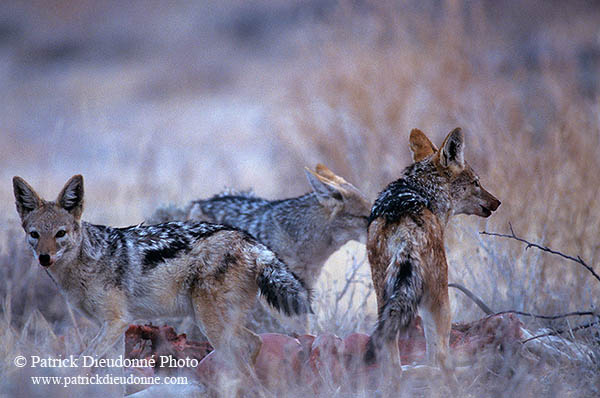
column 303, row 231
column 117, row 276
column 331, row 177
column 412, row 244
column 420, row 145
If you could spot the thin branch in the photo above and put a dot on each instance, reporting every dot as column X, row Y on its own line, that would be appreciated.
column 485, row 308
column 577, row 259
column 349, row 280
column 561, row 331
column 473, row 297
column 576, row 313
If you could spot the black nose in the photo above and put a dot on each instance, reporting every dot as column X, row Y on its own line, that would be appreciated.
column 44, row 259
column 496, row 205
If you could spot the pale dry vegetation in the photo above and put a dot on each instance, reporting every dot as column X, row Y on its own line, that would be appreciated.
column 521, row 78
column 357, row 107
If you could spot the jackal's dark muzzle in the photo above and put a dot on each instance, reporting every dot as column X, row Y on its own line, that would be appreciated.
column 495, row 204
column 490, row 205
column 45, row 260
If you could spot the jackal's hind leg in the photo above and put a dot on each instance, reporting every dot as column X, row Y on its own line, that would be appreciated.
column 383, row 346
column 223, row 323
column 437, row 324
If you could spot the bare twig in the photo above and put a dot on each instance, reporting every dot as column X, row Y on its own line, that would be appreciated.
column 577, row 259
column 576, row 313
column 473, row 297
column 561, row 331
column 489, row 312
column 349, row 280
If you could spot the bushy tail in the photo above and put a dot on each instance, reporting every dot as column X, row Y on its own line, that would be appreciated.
column 403, row 291
column 281, row 288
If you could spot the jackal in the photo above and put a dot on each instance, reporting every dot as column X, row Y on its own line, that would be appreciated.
column 118, row 275
column 405, row 244
column 303, row 231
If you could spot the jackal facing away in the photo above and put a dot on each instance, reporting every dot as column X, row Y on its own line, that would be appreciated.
column 303, row 231
column 119, row 275
column 405, row 244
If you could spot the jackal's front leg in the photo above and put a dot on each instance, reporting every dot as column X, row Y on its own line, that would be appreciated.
column 110, row 332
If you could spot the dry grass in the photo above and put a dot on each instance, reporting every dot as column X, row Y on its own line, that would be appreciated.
column 357, row 108
column 346, row 92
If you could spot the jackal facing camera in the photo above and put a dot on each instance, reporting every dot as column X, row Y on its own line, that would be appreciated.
column 118, row 275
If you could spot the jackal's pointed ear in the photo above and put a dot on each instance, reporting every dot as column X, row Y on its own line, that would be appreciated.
column 26, row 199
column 324, row 171
column 329, row 175
column 351, row 198
column 451, row 154
column 71, row 196
column 420, row 145
column 328, row 193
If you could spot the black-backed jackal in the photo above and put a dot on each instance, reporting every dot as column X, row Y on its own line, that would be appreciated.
column 303, row 231
column 405, row 244
column 119, row 275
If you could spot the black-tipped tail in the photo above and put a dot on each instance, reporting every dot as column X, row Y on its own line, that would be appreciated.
column 282, row 289
column 402, row 294
column 371, row 352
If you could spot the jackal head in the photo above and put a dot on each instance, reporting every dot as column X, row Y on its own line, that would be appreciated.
column 346, row 207
column 53, row 228
column 466, row 192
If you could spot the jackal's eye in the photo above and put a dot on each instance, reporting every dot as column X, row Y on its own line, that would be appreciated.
column 34, row 234
column 60, row 233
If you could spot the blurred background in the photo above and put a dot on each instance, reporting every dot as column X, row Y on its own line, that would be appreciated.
column 158, row 102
